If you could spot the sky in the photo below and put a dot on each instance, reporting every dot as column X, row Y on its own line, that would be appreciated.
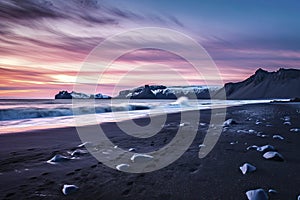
column 44, row 44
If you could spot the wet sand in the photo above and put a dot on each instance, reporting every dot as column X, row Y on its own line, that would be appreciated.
column 24, row 173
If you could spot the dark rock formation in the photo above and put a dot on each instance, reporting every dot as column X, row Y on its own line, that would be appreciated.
column 163, row 92
column 284, row 83
column 77, row 95
column 143, row 93
column 297, row 99
column 63, row 95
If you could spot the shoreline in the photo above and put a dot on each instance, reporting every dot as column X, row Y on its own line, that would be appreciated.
column 25, row 174
column 46, row 123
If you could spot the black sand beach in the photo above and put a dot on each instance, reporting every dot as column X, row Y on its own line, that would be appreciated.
column 24, row 173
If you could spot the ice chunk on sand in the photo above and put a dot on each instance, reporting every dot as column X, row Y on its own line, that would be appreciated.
column 229, row 122
column 265, row 148
column 287, row 123
column 68, row 189
column 58, row 158
column 242, row 131
column 258, row 194
column 247, row 168
column 273, row 155
column 141, row 157
column 295, row 129
column 132, row 149
column 279, row 137
column 184, row 124
column 286, row 118
column 78, row 152
column 85, row 144
column 272, row 191
column 258, row 122
column 122, row 167
column 262, row 135
column 253, row 147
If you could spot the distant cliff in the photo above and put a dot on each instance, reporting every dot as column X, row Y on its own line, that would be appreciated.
column 164, row 92
column 284, row 83
column 77, row 95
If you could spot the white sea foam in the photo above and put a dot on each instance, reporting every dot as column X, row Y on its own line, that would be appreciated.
column 26, row 115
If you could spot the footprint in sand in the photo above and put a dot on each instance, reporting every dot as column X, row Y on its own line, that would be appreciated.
column 93, row 166
column 126, row 192
column 45, row 173
column 130, row 183
column 165, row 196
column 193, row 170
column 70, row 174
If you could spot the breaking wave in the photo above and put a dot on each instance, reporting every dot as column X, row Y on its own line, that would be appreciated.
column 34, row 112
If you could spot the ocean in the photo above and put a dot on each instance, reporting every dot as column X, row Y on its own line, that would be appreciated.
column 17, row 115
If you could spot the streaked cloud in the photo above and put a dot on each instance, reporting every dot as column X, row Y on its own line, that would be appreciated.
column 44, row 43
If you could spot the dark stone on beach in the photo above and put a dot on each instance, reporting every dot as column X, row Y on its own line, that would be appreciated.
column 297, row 99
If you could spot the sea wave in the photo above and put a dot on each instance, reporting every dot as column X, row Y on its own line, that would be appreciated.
column 36, row 112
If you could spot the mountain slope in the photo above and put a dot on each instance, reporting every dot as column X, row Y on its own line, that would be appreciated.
column 284, row 83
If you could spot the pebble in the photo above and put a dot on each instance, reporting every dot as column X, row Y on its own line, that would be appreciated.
column 58, row 158
column 141, row 157
column 122, row 167
column 265, row 148
column 258, row 194
column 273, row 155
column 247, row 168
column 68, row 189
column 279, row 137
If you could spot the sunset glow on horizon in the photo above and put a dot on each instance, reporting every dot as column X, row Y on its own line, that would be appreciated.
column 43, row 44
